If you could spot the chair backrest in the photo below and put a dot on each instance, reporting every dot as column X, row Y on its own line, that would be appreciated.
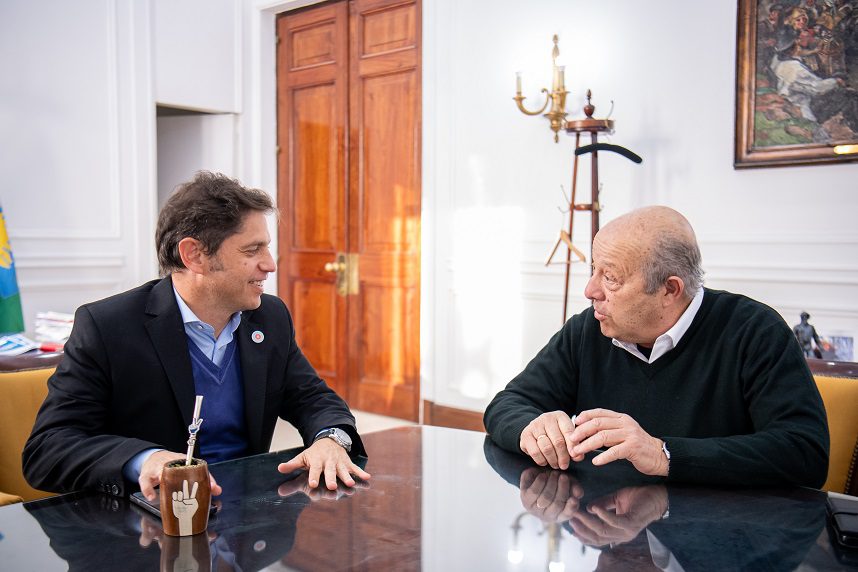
column 21, row 395
column 840, row 395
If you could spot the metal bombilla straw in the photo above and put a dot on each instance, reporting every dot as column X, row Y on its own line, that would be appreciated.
column 193, row 428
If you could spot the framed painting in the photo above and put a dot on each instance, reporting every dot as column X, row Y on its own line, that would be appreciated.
column 796, row 80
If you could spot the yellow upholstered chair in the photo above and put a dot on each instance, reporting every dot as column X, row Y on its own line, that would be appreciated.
column 21, row 395
column 840, row 395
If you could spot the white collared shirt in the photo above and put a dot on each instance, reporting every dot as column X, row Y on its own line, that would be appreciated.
column 668, row 340
column 202, row 334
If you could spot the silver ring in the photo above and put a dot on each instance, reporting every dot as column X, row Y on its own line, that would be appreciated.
column 541, row 436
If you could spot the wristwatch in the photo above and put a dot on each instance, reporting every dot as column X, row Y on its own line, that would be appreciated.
column 338, row 435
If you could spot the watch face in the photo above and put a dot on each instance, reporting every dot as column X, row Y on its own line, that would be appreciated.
column 340, row 437
column 343, row 438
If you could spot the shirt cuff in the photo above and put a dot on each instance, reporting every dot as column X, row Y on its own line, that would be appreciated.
column 131, row 469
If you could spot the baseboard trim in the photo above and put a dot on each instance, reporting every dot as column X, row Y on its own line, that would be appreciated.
column 444, row 416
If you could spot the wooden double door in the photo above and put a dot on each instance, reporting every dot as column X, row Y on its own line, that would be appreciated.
column 348, row 93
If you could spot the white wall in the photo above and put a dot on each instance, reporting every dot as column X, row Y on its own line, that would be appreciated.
column 190, row 143
column 80, row 86
column 492, row 177
column 76, row 148
column 197, row 54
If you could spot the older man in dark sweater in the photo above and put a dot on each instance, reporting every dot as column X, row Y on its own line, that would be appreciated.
column 684, row 382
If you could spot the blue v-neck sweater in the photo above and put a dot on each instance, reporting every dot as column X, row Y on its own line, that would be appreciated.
column 223, row 435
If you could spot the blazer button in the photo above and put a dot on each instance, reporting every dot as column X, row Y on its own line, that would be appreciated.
column 115, row 490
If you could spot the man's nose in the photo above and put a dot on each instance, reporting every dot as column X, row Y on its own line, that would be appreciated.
column 591, row 290
column 268, row 264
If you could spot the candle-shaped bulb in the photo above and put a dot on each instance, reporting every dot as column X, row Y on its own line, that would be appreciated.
column 518, row 83
column 559, row 80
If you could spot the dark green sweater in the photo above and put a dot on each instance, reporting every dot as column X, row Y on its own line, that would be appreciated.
column 734, row 400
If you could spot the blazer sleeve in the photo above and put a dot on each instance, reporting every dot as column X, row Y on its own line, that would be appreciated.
column 71, row 446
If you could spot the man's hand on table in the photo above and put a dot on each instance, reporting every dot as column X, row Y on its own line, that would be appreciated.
column 555, row 439
column 623, row 438
column 325, row 456
column 548, row 440
column 150, row 473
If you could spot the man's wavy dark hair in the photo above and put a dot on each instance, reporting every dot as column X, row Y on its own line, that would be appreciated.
column 210, row 208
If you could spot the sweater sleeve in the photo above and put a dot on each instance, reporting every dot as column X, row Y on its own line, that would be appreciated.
column 548, row 383
column 789, row 440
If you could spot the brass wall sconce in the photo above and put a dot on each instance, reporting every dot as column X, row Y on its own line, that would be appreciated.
column 556, row 97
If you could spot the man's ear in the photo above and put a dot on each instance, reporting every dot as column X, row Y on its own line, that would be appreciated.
column 190, row 250
column 674, row 290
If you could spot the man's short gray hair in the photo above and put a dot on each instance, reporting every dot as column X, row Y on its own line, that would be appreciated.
column 674, row 256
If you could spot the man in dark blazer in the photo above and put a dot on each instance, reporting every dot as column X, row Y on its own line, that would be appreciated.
column 120, row 402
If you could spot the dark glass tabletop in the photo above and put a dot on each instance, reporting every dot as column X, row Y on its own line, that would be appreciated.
column 439, row 500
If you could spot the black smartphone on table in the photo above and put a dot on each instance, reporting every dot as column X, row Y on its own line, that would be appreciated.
column 843, row 515
column 154, row 506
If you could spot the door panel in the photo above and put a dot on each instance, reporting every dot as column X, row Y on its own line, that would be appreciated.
column 387, row 28
column 314, row 306
column 317, row 204
column 349, row 134
column 314, row 44
column 384, row 218
column 390, row 210
column 312, row 98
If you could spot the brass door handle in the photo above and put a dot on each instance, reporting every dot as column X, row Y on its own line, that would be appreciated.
column 346, row 268
column 338, row 266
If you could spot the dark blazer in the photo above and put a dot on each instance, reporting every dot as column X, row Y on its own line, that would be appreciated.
column 126, row 385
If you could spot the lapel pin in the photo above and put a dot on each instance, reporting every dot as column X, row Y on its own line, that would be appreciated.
column 257, row 337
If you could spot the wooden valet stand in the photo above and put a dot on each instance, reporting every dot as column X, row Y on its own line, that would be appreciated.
column 594, row 127
column 556, row 116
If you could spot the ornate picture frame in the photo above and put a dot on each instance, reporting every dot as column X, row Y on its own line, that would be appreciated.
column 796, row 74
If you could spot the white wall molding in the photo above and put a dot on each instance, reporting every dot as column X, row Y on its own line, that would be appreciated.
column 800, row 237
column 61, row 285
column 91, row 260
column 781, row 275
column 819, row 310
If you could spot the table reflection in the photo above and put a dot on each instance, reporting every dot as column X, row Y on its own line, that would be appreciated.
column 255, row 525
column 440, row 500
column 638, row 522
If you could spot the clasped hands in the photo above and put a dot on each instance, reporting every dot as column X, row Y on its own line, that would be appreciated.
column 553, row 439
column 324, row 457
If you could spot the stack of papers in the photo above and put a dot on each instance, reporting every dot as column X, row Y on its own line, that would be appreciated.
column 53, row 327
column 16, row 345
